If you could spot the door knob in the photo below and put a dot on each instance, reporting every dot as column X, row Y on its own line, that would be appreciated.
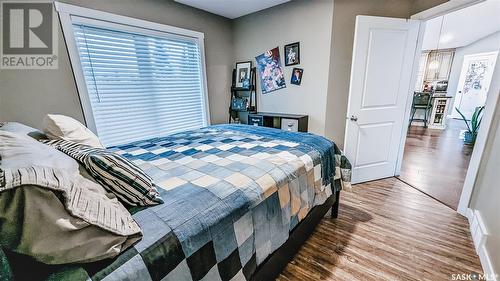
column 353, row 118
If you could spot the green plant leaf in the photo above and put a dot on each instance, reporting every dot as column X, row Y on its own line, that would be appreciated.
column 473, row 120
column 477, row 119
column 465, row 120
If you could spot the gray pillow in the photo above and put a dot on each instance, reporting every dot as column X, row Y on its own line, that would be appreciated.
column 49, row 211
column 17, row 150
column 22, row 129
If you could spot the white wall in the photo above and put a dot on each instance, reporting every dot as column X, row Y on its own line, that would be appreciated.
column 487, row 185
column 308, row 22
column 487, row 192
column 487, row 44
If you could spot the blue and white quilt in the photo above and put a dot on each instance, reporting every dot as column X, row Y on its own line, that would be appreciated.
column 232, row 194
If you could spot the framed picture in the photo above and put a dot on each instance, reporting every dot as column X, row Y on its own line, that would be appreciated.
column 297, row 76
column 292, row 54
column 243, row 70
column 271, row 73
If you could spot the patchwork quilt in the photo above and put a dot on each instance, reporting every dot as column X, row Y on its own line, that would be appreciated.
column 232, row 194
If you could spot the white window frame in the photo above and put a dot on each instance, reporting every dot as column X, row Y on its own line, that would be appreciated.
column 70, row 14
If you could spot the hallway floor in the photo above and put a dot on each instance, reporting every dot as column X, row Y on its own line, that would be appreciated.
column 436, row 161
column 386, row 230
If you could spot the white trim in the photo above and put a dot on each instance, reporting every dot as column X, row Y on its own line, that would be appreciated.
column 409, row 99
column 201, row 45
column 76, row 65
column 128, row 28
column 479, row 234
column 63, row 8
column 447, row 7
column 69, row 14
column 477, row 229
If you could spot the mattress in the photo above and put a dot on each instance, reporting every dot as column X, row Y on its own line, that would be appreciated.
column 232, row 194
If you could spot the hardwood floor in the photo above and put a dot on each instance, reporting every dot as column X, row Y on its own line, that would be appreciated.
column 386, row 230
column 436, row 161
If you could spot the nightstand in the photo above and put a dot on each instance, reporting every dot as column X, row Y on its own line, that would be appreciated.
column 284, row 121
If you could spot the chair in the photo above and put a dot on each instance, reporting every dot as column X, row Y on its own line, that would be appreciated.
column 423, row 101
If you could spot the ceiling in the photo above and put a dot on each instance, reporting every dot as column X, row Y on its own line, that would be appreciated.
column 463, row 27
column 232, row 8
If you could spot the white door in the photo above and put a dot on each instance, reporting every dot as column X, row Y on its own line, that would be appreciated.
column 382, row 63
column 474, row 82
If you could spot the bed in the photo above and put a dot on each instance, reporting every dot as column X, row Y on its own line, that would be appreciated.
column 238, row 202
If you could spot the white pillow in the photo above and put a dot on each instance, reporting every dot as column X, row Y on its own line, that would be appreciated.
column 60, row 127
column 18, row 151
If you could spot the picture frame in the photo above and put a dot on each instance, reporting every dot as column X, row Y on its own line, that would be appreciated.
column 296, row 77
column 292, row 54
column 243, row 75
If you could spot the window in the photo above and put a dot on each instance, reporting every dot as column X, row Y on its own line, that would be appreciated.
column 139, row 82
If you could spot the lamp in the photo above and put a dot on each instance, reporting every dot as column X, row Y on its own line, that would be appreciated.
column 434, row 64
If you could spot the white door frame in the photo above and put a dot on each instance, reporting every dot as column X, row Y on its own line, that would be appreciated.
column 463, row 73
column 477, row 153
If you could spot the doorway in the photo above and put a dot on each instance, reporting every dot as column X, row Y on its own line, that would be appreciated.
column 455, row 69
column 375, row 86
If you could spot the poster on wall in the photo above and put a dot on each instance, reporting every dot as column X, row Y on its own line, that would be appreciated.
column 475, row 75
column 271, row 73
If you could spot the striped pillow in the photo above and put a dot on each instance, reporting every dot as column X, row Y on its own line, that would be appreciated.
column 117, row 174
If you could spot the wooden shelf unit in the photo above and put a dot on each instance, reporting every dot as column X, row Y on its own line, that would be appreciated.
column 439, row 112
column 248, row 94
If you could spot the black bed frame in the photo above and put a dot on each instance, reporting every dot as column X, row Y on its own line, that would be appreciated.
column 277, row 261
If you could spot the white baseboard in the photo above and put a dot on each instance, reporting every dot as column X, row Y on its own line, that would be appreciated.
column 479, row 236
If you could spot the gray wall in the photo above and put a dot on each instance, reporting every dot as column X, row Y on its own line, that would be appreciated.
column 308, row 22
column 311, row 22
column 344, row 16
column 27, row 95
column 487, row 44
column 487, row 186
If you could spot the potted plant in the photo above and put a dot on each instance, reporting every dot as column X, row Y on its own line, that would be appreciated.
column 472, row 125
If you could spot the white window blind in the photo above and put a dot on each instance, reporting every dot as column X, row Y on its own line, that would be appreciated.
column 141, row 86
